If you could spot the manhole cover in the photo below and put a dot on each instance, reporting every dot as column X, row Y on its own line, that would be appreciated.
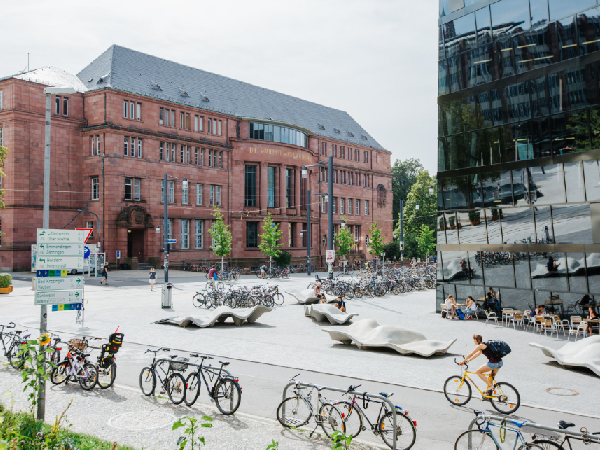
column 563, row 392
column 141, row 420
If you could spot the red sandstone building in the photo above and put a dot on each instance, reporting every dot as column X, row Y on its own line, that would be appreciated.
column 136, row 117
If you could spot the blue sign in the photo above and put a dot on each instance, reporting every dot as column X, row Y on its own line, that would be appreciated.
column 171, row 241
column 86, row 252
column 118, row 254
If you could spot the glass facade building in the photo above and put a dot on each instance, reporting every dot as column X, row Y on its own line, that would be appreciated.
column 519, row 151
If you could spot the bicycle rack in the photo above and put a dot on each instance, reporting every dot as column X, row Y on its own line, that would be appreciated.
column 589, row 438
column 344, row 391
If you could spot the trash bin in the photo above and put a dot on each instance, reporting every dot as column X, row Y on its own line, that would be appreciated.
column 167, row 296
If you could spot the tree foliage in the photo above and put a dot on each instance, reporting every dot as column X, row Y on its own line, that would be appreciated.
column 284, row 258
column 3, row 154
column 426, row 240
column 392, row 249
column 404, row 175
column 269, row 244
column 343, row 240
column 376, row 242
column 221, row 235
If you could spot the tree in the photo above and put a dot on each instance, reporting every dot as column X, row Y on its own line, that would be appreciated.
column 221, row 236
column 284, row 258
column 3, row 154
column 426, row 240
column 269, row 239
column 404, row 175
column 414, row 218
column 343, row 240
column 376, row 242
column 391, row 249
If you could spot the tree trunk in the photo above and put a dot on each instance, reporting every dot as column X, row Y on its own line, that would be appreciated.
column 270, row 264
column 221, row 264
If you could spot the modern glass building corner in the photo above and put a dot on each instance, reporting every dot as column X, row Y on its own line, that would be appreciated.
column 519, row 151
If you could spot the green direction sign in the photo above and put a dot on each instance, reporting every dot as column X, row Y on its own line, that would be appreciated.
column 60, row 250
column 58, row 284
column 58, row 297
column 46, row 235
column 59, row 262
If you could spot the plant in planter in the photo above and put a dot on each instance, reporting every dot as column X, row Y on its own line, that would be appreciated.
column 495, row 214
column 451, row 220
column 475, row 218
column 442, row 223
column 5, row 283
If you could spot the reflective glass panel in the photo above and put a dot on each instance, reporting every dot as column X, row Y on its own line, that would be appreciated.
column 517, row 225
column 498, row 267
column 454, row 74
column 462, row 114
column 497, row 189
column 441, row 54
column 480, row 63
column 539, row 12
column 509, row 17
column 523, row 144
column 485, row 109
column 506, row 57
column 567, row 38
column 570, row 133
column 521, row 261
column 444, row 8
column 455, row 266
column 475, row 191
column 518, row 102
column 587, row 24
column 517, row 299
column 474, row 268
column 548, row 271
column 572, row 224
column 441, row 155
column 595, row 127
column 471, row 227
column 441, row 229
column 542, row 144
column 539, row 99
column 499, row 107
column 576, row 268
column 456, row 157
column 459, row 34
column 451, row 229
column 535, row 49
column 493, row 226
column 543, row 225
column 439, row 294
column 577, row 83
column 546, row 185
column 475, row 144
column 441, row 121
column 443, row 84
column 493, row 151
column 520, row 187
column 574, row 182
column 482, row 19
column 592, row 180
column 556, row 89
column 593, row 271
column 562, row 8
column 507, row 145
column 455, row 192
column 438, row 267
column 464, row 291
column 440, row 198
column 449, row 289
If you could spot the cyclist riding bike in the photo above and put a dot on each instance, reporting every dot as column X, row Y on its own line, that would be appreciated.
column 493, row 365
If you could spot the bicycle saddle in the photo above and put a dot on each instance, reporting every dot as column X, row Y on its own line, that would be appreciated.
column 564, row 425
column 172, row 356
column 386, row 395
column 206, row 357
column 224, row 363
column 18, row 331
column 194, row 355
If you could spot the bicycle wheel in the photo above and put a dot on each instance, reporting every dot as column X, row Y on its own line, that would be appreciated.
column 530, row 446
column 406, row 433
column 331, row 419
column 60, row 373
column 457, row 391
column 199, row 300
column 16, row 357
column 106, row 376
column 278, row 299
column 227, row 394
column 176, row 388
column 147, row 381
column 192, row 388
column 475, row 440
column 88, row 376
column 353, row 421
column 505, row 398
column 294, row 412
column 547, row 445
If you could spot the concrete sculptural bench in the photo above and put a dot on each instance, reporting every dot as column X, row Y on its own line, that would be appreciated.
column 367, row 333
column 583, row 353
column 324, row 312
column 220, row 315
column 307, row 296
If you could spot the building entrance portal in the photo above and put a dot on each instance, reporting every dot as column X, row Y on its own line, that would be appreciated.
column 135, row 244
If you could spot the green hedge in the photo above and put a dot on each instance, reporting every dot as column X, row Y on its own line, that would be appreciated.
column 5, row 280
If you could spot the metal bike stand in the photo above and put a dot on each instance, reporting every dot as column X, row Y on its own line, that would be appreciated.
column 344, row 391
column 592, row 439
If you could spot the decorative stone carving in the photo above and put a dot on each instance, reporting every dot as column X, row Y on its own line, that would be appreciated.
column 134, row 217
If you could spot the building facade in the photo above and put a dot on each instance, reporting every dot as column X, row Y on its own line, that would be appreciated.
column 519, row 150
column 136, row 117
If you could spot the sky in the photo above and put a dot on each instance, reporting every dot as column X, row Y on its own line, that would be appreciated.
column 375, row 59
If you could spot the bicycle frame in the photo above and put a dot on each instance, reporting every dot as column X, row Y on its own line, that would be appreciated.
column 520, row 439
column 383, row 410
column 212, row 374
column 465, row 375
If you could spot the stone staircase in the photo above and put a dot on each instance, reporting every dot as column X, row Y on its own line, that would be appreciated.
column 144, row 266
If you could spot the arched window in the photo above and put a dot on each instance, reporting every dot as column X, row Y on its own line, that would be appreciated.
column 381, row 196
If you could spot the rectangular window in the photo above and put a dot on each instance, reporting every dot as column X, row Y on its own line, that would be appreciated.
column 161, row 152
column 209, row 125
column 138, row 112
column 126, row 146
column 173, row 152
column 214, row 126
column 250, row 186
column 90, row 224
column 220, row 160
column 97, row 145
column 196, row 123
column 172, row 118
column 342, row 204
column 95, row 188
column 218, row 195
column 211, row 200
column 365, row 157
column 185, row 234
column 139, row 155
column 202, row 157
column 198, row 232
column 357, row 207
column 350, row 210
column 289, row 188
column 132, row 147
column 199, row 194
column 57, row 105
column 184, row 194
column 356, row 233
column 187, row 154
column 181, row 120
column 201, row 123
column 196, row 156
column 1, row 107
column 132, row 110
column 187, row 121
column 169, row 228
column 181, row 151
column 161, row 116
column 1, row 141
column 271, row 187
column 333, row 205
column 128, row 188
column 93, row 145
column 210, row 153
column 323, row 205
column 65, row 106
column 251, row 234
column 323, row 148
column 291, row 233
column 219, row 128
column 366, row 207
column 171, row 192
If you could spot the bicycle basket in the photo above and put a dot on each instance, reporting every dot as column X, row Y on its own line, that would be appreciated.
column 79, row 344
column 179, row 364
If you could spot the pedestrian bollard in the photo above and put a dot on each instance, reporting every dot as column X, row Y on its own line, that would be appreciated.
column 167, row 296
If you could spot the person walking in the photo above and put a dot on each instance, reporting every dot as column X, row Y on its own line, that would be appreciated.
column 152, row 278
column 105, row 274
column 492, row 366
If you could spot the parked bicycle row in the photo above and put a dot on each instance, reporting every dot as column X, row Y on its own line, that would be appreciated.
column 216, row 294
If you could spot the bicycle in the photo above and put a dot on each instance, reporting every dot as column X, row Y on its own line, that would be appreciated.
column 11, row 343
column 225, row 392
column 383, row 426
column 504, row 398
column 557, row 443
column 173, row 382
column 482, row 438
column 296, row 411
column 106, row 364
column 76, row 367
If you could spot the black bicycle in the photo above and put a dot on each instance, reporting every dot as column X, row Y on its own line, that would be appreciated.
column 11, row 343
column 171, row 380
column 225, row 391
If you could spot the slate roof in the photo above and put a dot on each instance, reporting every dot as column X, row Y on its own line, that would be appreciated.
column 131, row 71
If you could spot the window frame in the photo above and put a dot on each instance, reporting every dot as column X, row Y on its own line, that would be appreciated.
column 95, row 186
column 65, row 105
column 138, row 111
column 199, row 194
column 199, row 236
column 132, row 110
column 185, row 233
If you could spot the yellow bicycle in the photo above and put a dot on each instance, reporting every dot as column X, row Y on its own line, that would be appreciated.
column 504, row 398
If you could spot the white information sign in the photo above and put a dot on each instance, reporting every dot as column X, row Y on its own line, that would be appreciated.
column 58, row 297
column 58, row 283
column 59, row 262
column 50, row 236
column 60, row 250
column 330, row 256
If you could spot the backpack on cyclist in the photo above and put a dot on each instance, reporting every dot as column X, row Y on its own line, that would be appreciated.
column 499, row 349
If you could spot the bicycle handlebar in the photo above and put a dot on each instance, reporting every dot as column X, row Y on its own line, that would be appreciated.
column 353, row 388
column 297, row 375
column 464, row 363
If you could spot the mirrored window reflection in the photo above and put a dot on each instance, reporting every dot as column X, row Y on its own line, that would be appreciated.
column 507, row 144
column 497, row 188
column 567, row 38
column 540, row 130
column 441, row 54
column 475, row 191
column 548, row 271
column 441, row 229
column 572, row 224
column 440, row 190
column 574, row 182
column 462, row 114
column 455, row 192
column 546, row 185
column 518, row 102
column 443, row 84
column 570, row 133
column 556, row 89
column 579, row 84
column 499, row 107
column 492, row 217
column 539, row 12
column 562, row 8
column 543, row 225
column 498, row 267
column 441, row 122
column 520, row 187
column 455, row 266
column 539, row 99
column 550, row 300
column 484, row 29
column 493, row 151
column 464, row 291
column 593, row 271
column 438, row 267
column 459, row 34
column 595, row 127
column 587, row 26
column 516, row 299
column 517, row 225
column 454, row 154
column 454, row 74
column 449, row 289
column 451, row 228
column 439, row 296
column 506, row 57
column 522, row 271
column 444, row 8
column 576, row 268
column 485, row 109
column 509, row 17
column 541, row 46
column 479, row 65
column 522, row 141
column 471, row 227
column 592, row 180
column 441, row 160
